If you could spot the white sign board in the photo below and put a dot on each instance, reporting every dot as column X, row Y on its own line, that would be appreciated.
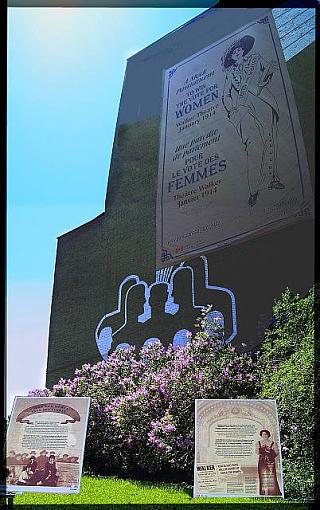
column 232, row 159
column 45, row 444
column 237, row 449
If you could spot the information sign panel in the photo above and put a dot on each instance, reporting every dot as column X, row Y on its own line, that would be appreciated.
column 237, row 449
column 45, row 444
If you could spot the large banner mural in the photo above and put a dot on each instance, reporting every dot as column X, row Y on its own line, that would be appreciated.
column 237, row 448
column 232, row 159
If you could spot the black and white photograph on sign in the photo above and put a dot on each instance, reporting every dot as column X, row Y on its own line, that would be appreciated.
column 45, row 444
column 237, row 449
column 232, row 158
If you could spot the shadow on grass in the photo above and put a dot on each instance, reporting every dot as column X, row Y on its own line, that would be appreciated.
column 178, row 506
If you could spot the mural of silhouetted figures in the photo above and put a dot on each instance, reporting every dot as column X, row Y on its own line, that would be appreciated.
column 158, row 302
column 113, row 322
column 183, row 294
column 221, row 298
column 108, row 291
column 133, row 309
column 165, row 310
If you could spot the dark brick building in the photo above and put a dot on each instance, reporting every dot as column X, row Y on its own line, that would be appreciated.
column 92, row 289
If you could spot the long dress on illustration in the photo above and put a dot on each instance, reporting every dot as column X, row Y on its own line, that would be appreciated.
column 254, row 112
column 268, row 483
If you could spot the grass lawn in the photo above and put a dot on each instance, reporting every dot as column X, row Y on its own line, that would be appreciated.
column 116, row 491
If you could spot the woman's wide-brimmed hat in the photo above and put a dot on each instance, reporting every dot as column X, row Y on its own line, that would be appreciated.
column 266, row 431
column 245, row 43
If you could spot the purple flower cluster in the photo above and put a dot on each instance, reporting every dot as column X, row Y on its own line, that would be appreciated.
column 142, row 403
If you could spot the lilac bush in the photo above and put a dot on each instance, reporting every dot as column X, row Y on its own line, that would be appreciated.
column 142, row 402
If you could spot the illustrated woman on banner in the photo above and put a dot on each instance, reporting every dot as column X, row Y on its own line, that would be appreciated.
column 253, row 110
column 267, row 451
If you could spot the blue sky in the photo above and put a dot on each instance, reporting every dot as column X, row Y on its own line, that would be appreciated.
column 65, row 74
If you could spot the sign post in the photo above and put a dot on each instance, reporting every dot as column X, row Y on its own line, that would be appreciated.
column 8, row 498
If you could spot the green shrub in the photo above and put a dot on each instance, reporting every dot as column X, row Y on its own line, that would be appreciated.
column 142, row 402
column 287, row 375
column 142, row 408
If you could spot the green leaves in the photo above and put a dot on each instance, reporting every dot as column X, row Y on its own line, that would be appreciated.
column 287, row 375
column 142, row 410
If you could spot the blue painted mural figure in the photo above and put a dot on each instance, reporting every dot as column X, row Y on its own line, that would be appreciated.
column 164, row 310
column 253, row 110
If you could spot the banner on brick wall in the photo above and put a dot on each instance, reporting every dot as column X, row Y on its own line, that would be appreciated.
column 237, row 449
column 45, row 444
column 232, row 159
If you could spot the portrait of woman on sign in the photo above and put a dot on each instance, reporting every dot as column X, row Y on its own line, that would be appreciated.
column 268, row 452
